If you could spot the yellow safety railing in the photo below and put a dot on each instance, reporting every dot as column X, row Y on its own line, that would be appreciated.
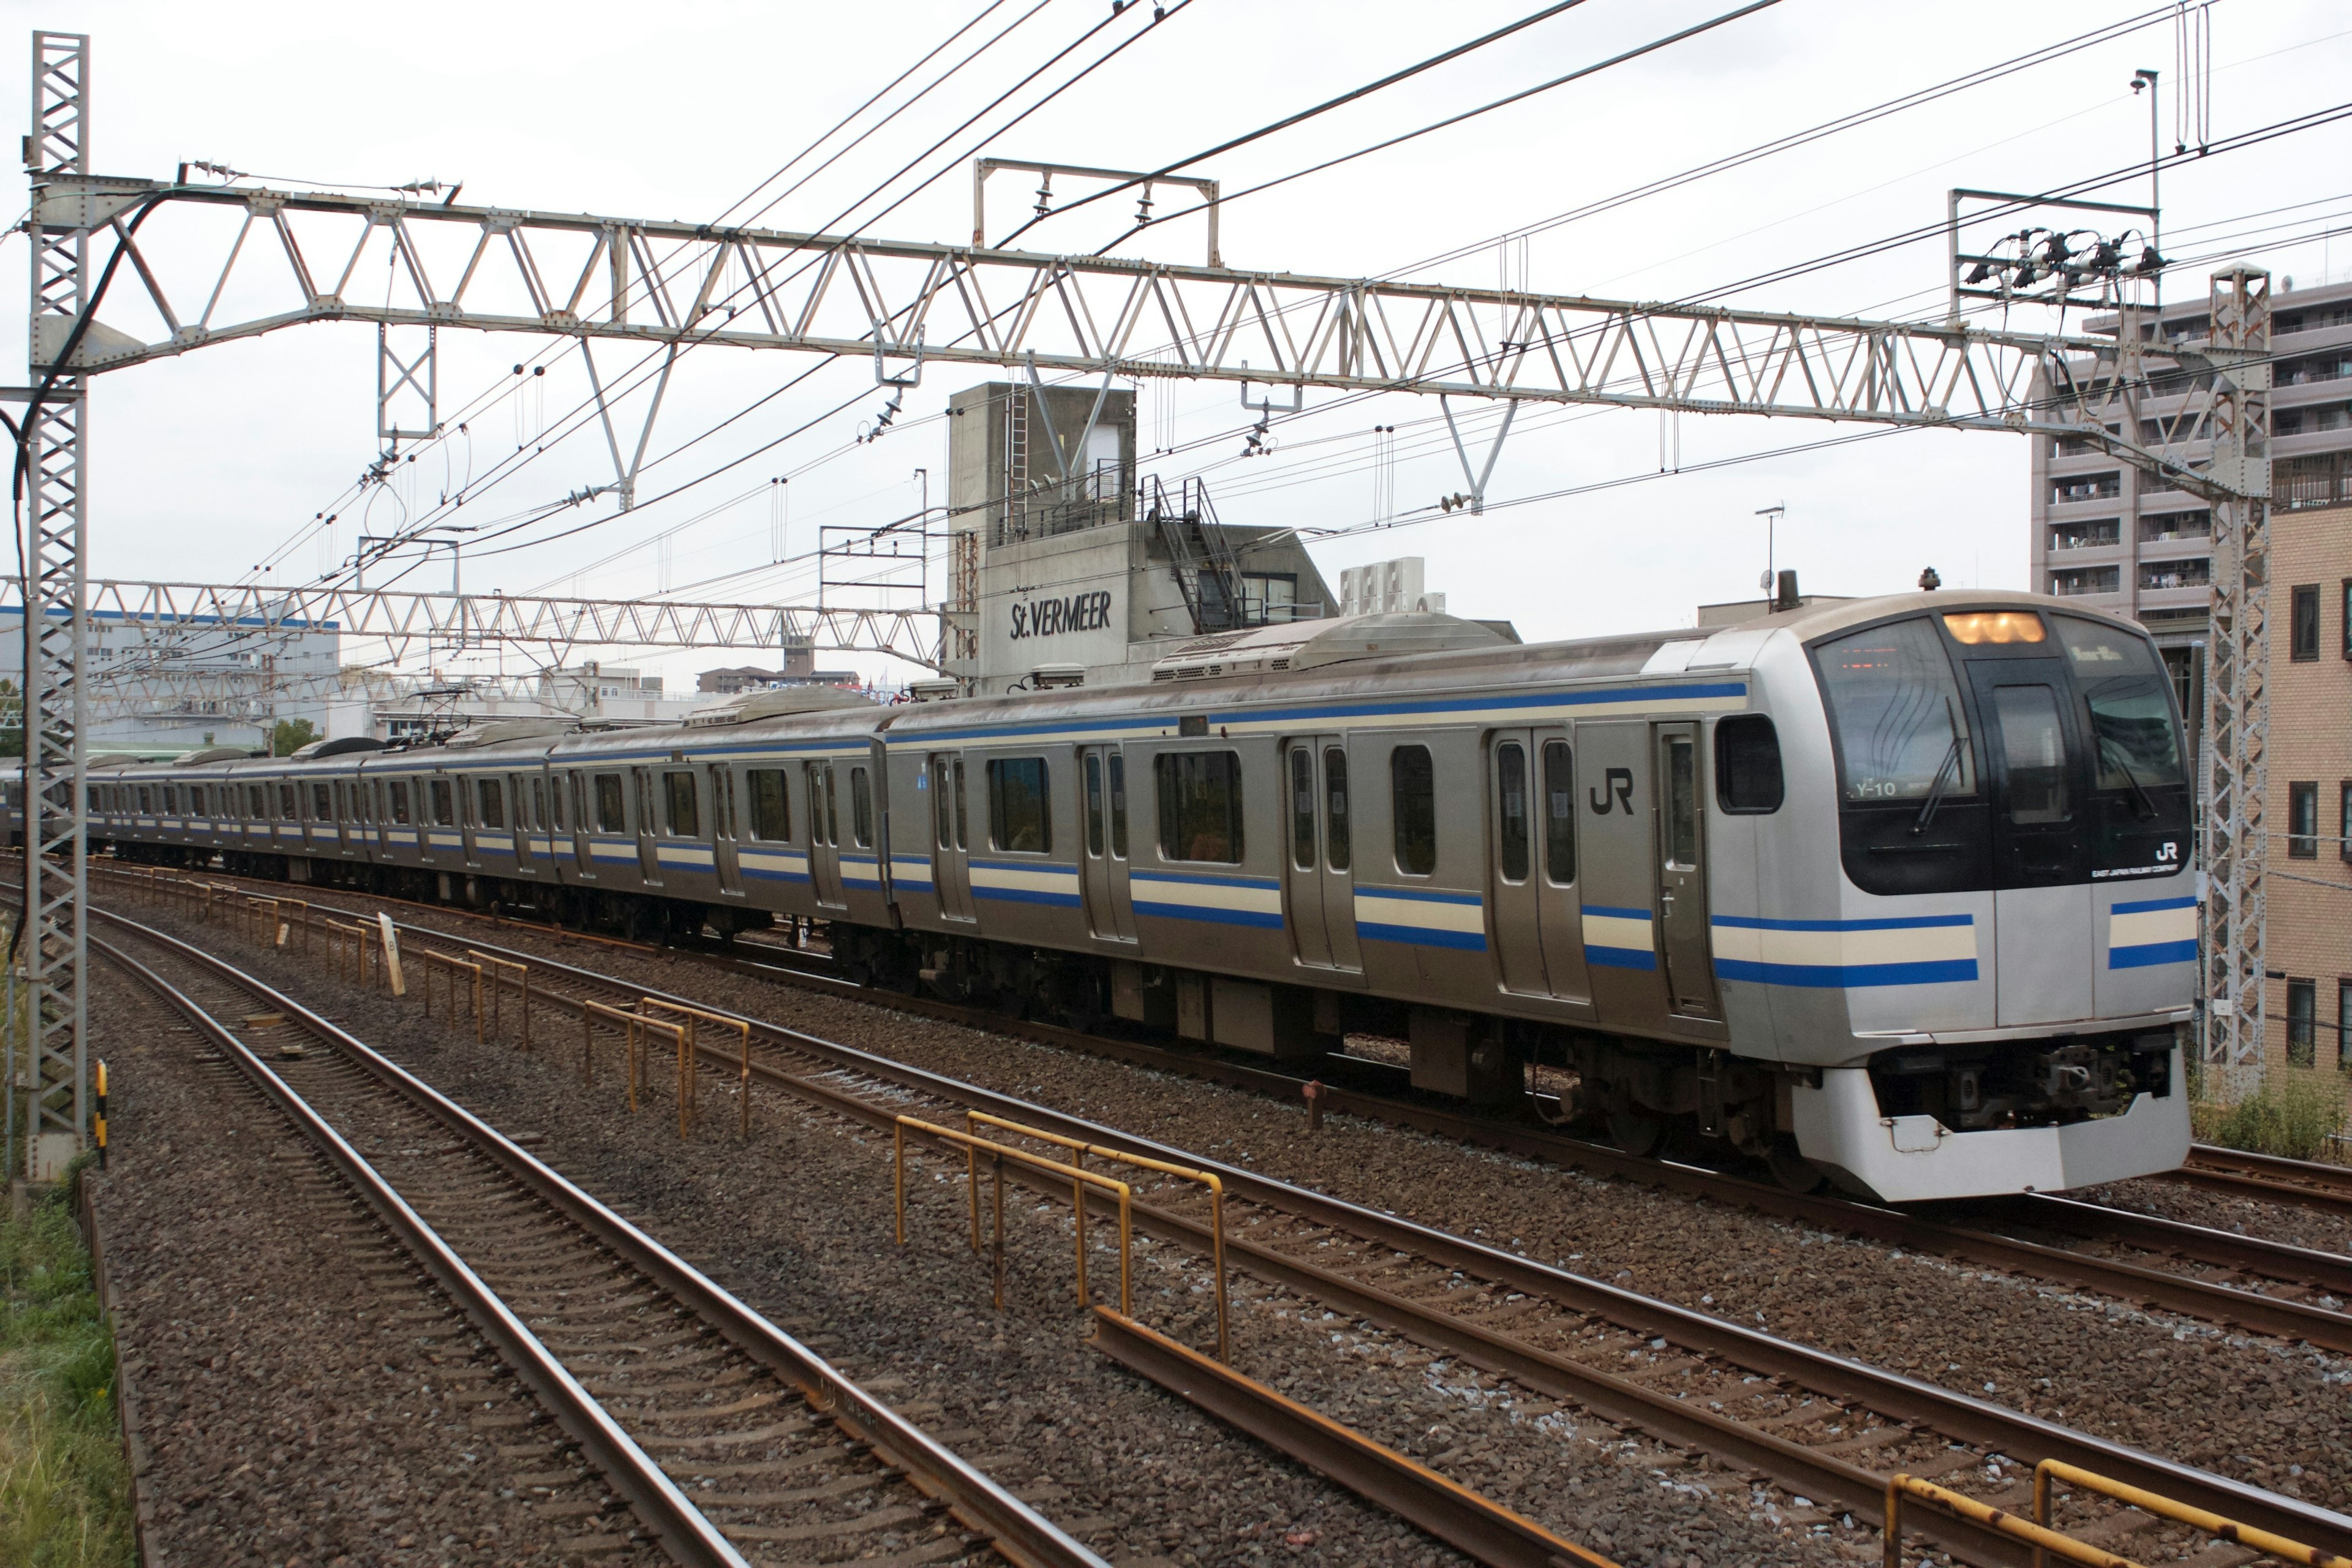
column 1080, row 1149
column 347, row 944
column 451, row 968
column 695, row 1018
column 501, row 973
column 998, row 1155
column 2048, row 1542
column 2212, row 1524
column 635, row 1028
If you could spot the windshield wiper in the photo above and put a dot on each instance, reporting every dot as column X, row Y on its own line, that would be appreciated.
column 2147, row 808
column 1936, row 790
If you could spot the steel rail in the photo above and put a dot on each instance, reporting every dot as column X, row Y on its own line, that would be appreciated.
column 1470, row 1523
column 1025, row 1536
column 685, row 1533
column 1992, row 1427
column 2268, row 1177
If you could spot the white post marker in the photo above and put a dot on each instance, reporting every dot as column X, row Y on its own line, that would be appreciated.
column 391, row 955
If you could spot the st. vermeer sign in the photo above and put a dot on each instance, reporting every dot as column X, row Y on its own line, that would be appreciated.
column 1051, row 617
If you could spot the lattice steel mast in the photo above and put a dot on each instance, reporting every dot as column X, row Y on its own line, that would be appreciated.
column 53, row 947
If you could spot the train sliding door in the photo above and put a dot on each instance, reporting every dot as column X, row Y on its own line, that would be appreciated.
column 1533, row 891
column 1319, row 874
column 951, row 834
column 825, row 835
column 1102, row 784
column 1682, row 873
column 723, row 839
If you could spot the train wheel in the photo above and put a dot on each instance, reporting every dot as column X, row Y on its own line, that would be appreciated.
column 1793, row 1170
column 1635, row 1134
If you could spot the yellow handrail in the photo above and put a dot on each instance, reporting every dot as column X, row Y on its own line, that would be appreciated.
column 743, row 1027
column 2212, row 1524
column 998, row 1153
column 1081, row 1149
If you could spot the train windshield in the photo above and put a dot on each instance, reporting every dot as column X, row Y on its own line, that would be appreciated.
column 1902, row 729
column 2131, row 714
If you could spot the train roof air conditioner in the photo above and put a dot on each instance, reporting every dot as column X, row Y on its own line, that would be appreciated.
column 775, row 701
column 1308, row 644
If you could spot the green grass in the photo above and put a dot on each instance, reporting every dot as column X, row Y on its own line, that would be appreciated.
column 2293, row 1114
column 65, row 1486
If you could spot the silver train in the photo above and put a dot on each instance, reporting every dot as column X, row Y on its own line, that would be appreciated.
column 1896, row 891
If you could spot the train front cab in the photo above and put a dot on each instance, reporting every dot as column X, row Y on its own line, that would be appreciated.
column 1981, row 928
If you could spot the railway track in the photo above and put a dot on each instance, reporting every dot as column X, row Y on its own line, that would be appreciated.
column 1824, row 1427
column 2266, row 1176
column 664, row 1381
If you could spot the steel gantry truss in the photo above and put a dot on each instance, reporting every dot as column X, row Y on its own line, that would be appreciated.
column 241, row 261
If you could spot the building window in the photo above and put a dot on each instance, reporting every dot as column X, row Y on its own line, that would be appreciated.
column 1020, row 817
column 1199, row 805
column 1412, row 800
column 771, row 806
column 2302, row 820
column 677, row 790
column 2343, row 1011
column 2344, row 618
column 2306, row 624
column 2302, row 1023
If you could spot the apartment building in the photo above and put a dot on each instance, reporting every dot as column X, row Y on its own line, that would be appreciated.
column 2119, row 541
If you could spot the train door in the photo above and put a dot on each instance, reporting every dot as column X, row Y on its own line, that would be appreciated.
column 1682, row 872
column 521, row 822
column 1102, row 782
column 1617, row 866
column 950, row 839
column 641, row 784
column 722, row 831
column 1532, row 883
column 825, row 835
column 584, row 853
column 2044, row 936
column 1318, row 863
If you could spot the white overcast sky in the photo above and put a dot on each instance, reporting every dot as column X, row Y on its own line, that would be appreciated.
column 205, row 465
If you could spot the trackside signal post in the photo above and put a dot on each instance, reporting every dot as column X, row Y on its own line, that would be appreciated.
column 904, row 305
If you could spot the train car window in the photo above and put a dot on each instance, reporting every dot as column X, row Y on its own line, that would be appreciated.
column 400, row 801
column 445, row 802
column 1412, row 803
column 1682, row 803
column 1302, row 808
column 861, row 808
column 146, row 801
column 612, row 813
column 771, row 806
column 555, row 789
column 964, row 813
column 942, row 810
column 1199, row 805
column 1118, row 806
column 2123, row 686
column 684, row 820
column 257, row 803
column 322, row 804
column 489, row 803
column 1901, row 730
column 832, row 787
column 1511, row 832
column 1747, row 765
column 1020, row 817
column 539, row 816
column 1337, row 835
column 2033, row 745
column 285, row 801
column 1093, row 805
column 1559, row 813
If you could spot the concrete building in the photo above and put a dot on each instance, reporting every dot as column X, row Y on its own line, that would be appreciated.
column 2114, row 538
column 800, row 670
column 2308, row 940
column 1062, row 563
